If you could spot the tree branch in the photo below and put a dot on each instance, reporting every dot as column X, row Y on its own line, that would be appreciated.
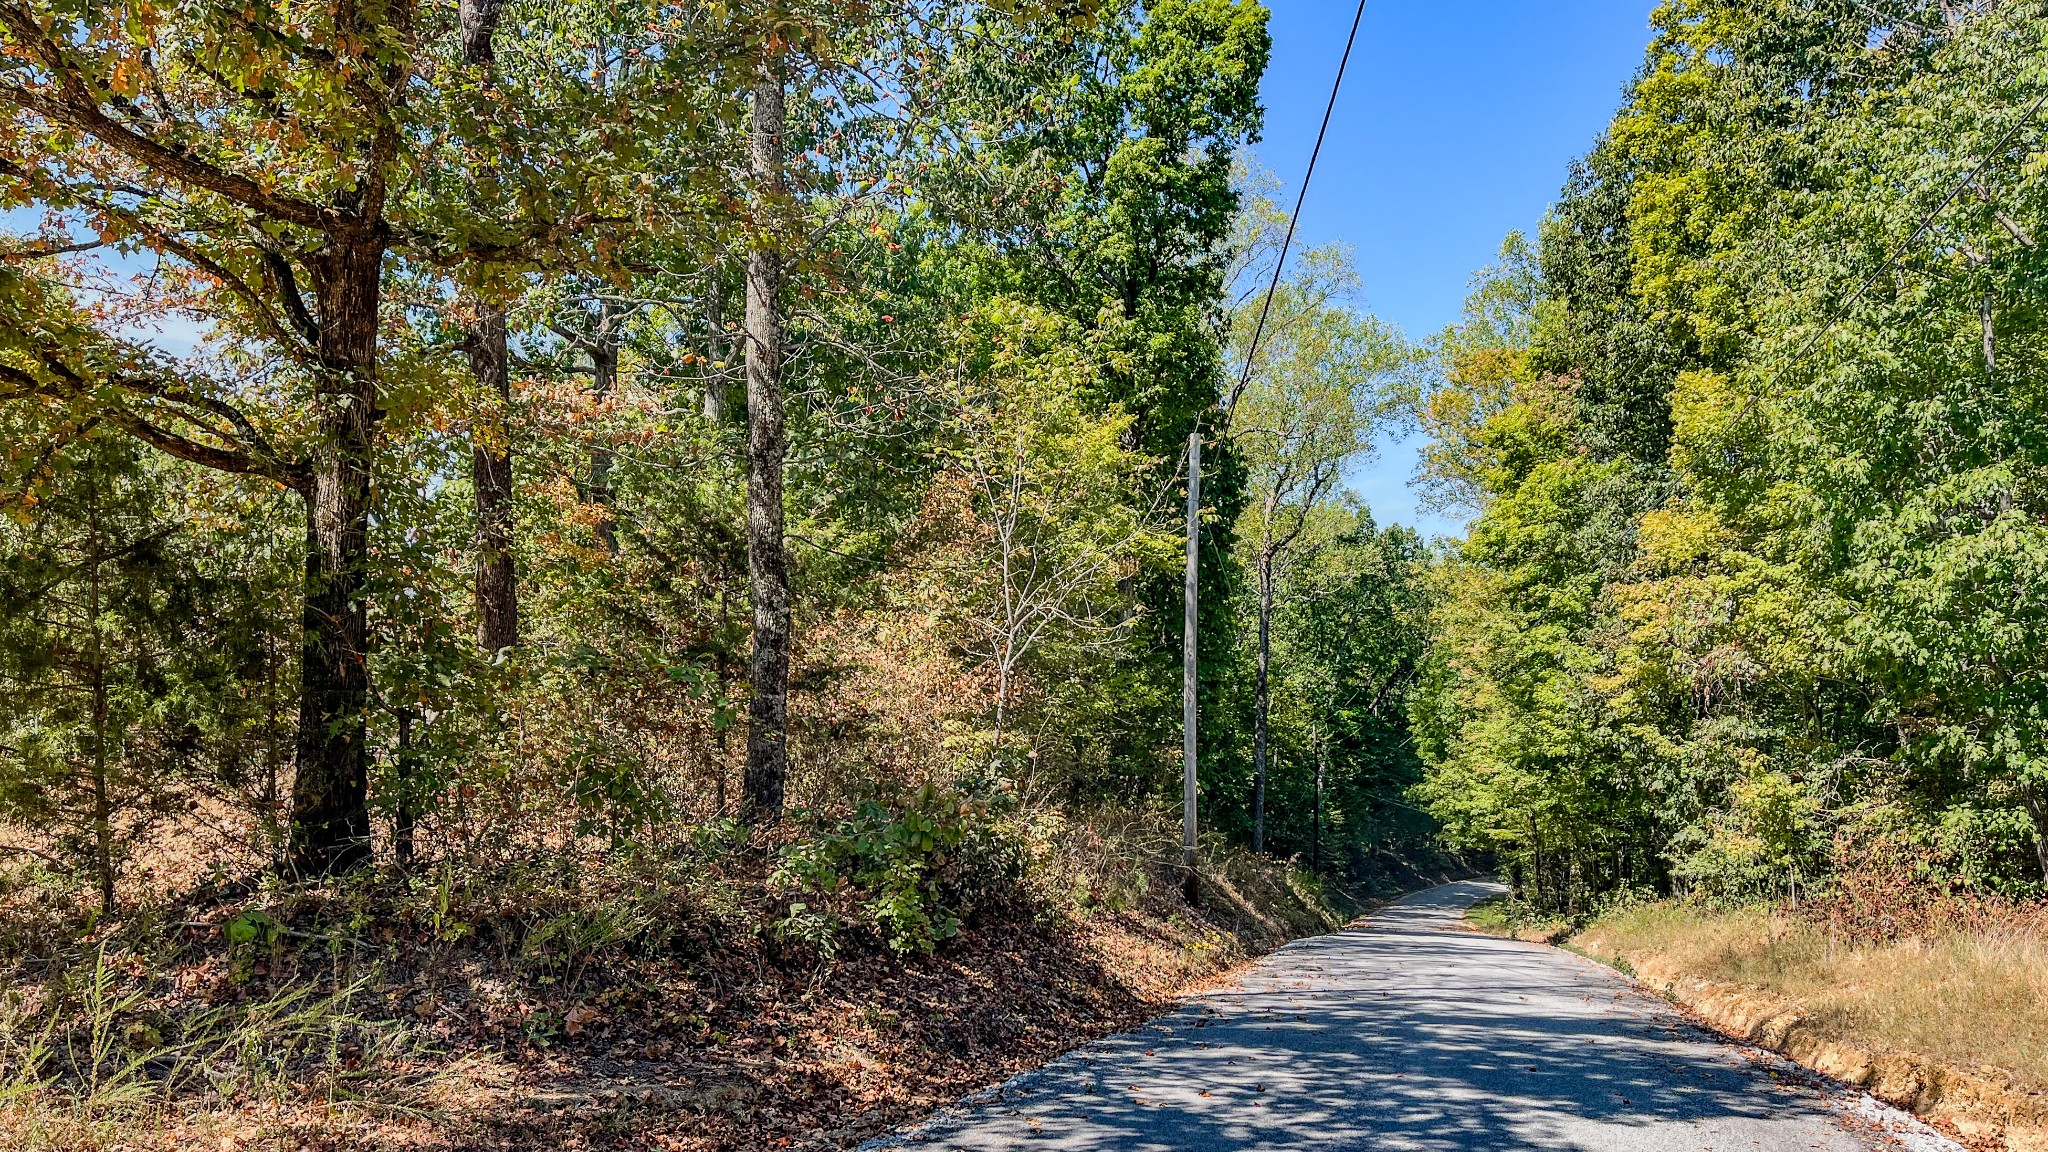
column 280, row 272
column 252, row 455
column 41, row 251
column 79, row 107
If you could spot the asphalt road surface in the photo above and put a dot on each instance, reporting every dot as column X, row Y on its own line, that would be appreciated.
column 1411, row 1032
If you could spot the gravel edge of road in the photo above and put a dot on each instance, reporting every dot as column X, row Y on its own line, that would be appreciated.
column 1946, row 1101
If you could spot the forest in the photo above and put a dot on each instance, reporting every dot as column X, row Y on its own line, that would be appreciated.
column 541, row 533
column 580, row 442
column 1753, row 432
column 554, row 488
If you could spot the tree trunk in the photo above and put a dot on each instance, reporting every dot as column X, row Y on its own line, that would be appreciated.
column 479, row 24
column 1261, row 699
column 330, row 790
column 1002, row 698
column 490, row 456
column 2037, row 807
column 604, row 377
column 714, row 372
column 767, row 443
column 1315, row 832
column 497, row 578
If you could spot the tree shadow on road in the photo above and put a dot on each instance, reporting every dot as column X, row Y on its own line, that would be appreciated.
column 1404, row 1034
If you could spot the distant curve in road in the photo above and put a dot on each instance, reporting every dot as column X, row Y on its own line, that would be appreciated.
column 1410, row 1032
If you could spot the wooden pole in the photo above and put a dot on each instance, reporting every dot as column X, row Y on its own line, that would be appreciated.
column 1187, row 662
column 1315, row 836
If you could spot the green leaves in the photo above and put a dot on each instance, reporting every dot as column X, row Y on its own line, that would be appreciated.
column 1312, row 402
column 251, row 928
column 1006, row 231
column 1756, row 543
column 899, row 860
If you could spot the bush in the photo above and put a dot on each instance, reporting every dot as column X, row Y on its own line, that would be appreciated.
column 916, row 868
column 1897, row 879
column 1765, row 846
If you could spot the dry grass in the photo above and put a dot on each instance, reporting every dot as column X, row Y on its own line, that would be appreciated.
column 617, row 1001
column 1977, row 1000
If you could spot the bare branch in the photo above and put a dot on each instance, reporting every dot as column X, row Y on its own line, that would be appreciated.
column 41, row 251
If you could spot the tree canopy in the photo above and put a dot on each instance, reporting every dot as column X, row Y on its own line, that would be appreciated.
column 1751, row 585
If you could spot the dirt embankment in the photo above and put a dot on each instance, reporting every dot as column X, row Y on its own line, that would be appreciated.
column 714, row 1040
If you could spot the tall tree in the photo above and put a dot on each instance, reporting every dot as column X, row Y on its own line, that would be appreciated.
column 1047, row 502
column 1350, row 632
column 1318, row 376
column 490, row 454
column 1100, row 186
column 251, row 154
column 193, row 124
column 858, row 93
column 767, row 442
column 490, row 362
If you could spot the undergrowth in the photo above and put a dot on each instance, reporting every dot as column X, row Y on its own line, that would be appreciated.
column 94, row 1048
column 377, row 999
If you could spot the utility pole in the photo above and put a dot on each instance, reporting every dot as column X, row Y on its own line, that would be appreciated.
column 1187, row 662
column 1315, row 835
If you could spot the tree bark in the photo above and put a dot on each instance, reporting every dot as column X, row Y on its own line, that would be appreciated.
column 604, row 377
column 479, row 24
column 1261, row 701
column 2037, row 808
column 490, row 454
column 714, row 372
column 767, row 443
column 1315, row 831
column 497, row 577
column 1002, row 699
column 330, row 790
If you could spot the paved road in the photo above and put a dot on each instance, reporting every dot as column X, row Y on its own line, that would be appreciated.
column 1412, row 1033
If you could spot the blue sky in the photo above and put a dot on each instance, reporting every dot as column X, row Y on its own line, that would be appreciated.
column 1456, row 125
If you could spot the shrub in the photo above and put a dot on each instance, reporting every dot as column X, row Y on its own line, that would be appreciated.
column 1896, row 879
column 916, row 868
column 1765, row 846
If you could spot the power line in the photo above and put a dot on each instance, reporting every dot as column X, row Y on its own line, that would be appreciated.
column 1926, row 222
column 1259, row 329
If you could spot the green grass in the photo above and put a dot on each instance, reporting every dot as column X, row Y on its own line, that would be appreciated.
column 1517, row 920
